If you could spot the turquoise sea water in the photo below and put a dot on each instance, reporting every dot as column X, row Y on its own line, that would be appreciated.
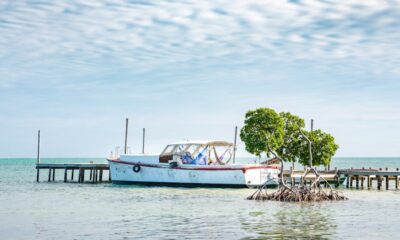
column 57, row 210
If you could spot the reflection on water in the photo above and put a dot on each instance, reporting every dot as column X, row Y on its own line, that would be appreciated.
column 289, row 220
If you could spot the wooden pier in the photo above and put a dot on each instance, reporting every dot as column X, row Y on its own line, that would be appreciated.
column 369, row 175
column 96, row 171
column 358, row 178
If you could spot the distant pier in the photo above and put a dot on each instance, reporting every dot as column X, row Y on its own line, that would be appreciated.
column 369, row 176
column 96, row 171
column 362, row 178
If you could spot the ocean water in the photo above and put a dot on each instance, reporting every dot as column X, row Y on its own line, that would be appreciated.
column 58, row 210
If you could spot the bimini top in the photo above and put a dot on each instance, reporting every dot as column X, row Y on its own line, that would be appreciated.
column 203, row 142
column 198, row 152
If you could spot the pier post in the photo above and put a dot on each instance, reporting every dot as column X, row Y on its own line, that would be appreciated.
column 397, row 180
column 49, row 174
column 79, row 175
column 379, row 182
column 362, row 181
column 65, row 174
column 82, row 174
column 387, row 182
column 368, row 182
column 54, row 174
column 91, row 175
column 351, row 181
column 94, row 175
column 337, row 181
column 357, row 181
column 101, row 175
column 347, row 180
column 38, row 157
column 72, row 174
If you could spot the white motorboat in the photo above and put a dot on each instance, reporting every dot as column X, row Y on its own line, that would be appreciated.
column 196, row 163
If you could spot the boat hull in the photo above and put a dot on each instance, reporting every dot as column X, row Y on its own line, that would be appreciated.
column 192, row 176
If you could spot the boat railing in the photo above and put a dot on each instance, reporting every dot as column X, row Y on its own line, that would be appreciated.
column 118, row 151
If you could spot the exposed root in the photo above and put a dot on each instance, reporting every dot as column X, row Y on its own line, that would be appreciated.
column 298, row 194
column 302, row 193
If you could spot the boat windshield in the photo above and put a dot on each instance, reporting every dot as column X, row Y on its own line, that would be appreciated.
column 203, row 153
column 180, row 148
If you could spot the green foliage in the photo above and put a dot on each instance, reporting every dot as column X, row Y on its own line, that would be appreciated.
column 265, row 128
column 293, row 142
column 323, row 148
column 262, row 131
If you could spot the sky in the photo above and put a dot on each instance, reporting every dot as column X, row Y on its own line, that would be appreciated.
column 192, row 69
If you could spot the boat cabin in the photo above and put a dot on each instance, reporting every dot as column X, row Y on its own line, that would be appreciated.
column 198, row 153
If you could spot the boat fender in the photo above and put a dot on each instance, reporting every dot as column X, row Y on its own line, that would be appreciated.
column 136, row 168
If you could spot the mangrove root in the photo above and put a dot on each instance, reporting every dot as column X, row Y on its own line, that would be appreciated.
column 298, row 194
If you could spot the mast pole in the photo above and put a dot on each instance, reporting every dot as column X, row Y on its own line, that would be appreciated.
column 234, row 147
column 143, row 140
column 38, row 148
column 126, row 136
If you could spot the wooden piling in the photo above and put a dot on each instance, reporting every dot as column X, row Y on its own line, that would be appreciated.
column 94, row 175
column 101, row 175
column 357, row 181
column 379, row 182
column 347, row 181
column 387, row 182
column 72, row 174
column 49, row 174
column 362, row 181
column 368, row 182
column 54, row 174
column 351, row 181
column 65, row 175
column 397, row 183
column 38, row 156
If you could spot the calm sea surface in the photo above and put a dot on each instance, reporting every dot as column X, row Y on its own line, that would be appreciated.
column 56, row 210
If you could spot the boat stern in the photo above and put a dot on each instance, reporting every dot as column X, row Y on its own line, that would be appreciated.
column 260, row 175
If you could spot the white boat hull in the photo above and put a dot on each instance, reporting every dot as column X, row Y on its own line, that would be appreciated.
column 193, row 175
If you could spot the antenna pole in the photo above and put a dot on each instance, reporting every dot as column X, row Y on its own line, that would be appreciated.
column 38, row 148
column 143, row 140
column 234, row 147
column 126, row 136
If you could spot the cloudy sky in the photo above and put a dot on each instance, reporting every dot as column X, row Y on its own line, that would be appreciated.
column 191, row 69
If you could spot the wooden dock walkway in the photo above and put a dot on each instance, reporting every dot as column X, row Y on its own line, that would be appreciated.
column 96, row 171
column 370, row 175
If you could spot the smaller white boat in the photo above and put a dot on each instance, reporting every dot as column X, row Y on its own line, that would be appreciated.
column 198, row 163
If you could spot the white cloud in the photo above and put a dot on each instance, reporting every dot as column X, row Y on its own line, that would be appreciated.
column 81, row 34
